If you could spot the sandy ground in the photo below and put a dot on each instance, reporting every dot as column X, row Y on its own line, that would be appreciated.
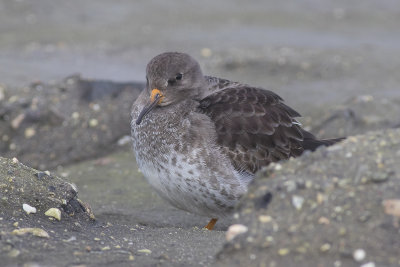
column 132, row 225
column 315, row 54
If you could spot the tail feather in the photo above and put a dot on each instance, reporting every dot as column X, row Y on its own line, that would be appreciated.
column 313, row 144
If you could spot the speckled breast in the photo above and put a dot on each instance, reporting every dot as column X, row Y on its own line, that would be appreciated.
column 178, row 169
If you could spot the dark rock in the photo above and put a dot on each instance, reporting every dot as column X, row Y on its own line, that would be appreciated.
column 97, row 90
column 40, row 175
column 355, row 116
column 20, row 184
column 56, row 124
column 263, row 201
column 349, row 217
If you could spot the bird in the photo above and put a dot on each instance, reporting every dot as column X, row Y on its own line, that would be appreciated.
column 199, row 140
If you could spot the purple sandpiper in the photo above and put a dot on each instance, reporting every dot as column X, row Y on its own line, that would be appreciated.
column 199, row 140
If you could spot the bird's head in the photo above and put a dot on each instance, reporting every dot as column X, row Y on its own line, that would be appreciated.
column 171, row 77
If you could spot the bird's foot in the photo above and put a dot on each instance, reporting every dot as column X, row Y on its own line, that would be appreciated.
column 211, row 224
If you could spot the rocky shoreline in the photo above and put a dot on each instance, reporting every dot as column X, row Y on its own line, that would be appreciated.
column 56, row 124
column 338, row 206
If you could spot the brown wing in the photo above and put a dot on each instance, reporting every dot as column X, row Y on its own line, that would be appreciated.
column 254, row 126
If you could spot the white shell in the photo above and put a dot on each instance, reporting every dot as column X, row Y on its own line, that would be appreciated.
column 234, row 230
column 28, row 209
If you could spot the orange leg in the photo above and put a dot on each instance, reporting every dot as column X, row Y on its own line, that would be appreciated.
column 211, row 224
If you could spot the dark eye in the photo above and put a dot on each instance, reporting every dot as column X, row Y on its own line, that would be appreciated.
column 179, row 76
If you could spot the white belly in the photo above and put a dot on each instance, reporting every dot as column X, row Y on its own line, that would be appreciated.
column 186, row 184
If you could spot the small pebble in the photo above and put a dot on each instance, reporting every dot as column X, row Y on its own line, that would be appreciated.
column 40, row 175
column 12, row 146
column 34, row 231
column 145, row 251
column 70, row 81
column 106, row 248
column 368, row 264
column 53, row 212
column 75, row 115
column 278, row 167
column 2, row 93
column 290, row 186
column 28, row 209
column 359, row 255
column 5, row 138
column 283, row 251
column 392, row 207
column 16, row 122
column 338, row 209
column 14, row 253
column 270, row 239
column 323, row 220
column 124, row 140
column 77, row 254
column 72, row 238
column 337, row 264
column 95, row 107
column 234, row 230
column 365, row 98
column 342, row 231
column 365, row 216
column 250, row 239
column 325, row 247
column 206, row 52
column 334, row 148
column 264, row 218
column 301, row 249
column 380, row 177
column 74, row 187
column 30, row 132
column 297, row 202
column 93, row 123
column 13, row 99
column 309, row 184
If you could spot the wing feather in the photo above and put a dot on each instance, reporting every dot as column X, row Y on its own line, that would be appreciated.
column 253, row 125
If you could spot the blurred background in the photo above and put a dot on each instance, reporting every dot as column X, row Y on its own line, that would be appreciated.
column 337, row 62
column 310, row 51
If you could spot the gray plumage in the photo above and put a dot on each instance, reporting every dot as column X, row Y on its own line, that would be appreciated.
column 200, row 140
